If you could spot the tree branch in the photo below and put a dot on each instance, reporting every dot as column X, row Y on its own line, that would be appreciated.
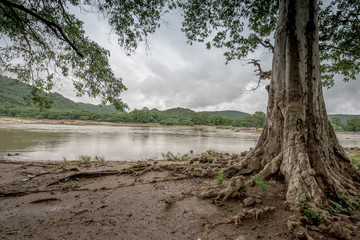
column 265, row 44
column 53, row 26
column 262, row 74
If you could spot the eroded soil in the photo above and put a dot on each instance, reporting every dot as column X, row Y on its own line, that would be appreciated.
column 107, row 201
column 143, row 200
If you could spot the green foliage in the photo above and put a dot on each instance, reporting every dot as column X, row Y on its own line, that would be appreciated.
column 85, row 159
column 353, row 124
column 339, row 43
column 100, row 159
column 227, row 114
column 344, row 117
column 355, row 160
column 228, row 208
column 311, row 213
column 223, row 127
column 260, row 181
column 12, row 104
column 13, row 92
column 69, row 163
column 345, row 205
column 221, row 25
column 46, row 43
column 185, row 157
column 220, row 178
column 185, row 112
column 168, row 201
column 193, row 166
column 169, row 155
column 336, row 123
column 139, row 164
column 209, row 153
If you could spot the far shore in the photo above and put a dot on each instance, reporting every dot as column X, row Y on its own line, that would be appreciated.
column 14, row 120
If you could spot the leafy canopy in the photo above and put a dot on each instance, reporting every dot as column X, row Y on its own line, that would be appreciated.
column 51, row 43
column 43, row 42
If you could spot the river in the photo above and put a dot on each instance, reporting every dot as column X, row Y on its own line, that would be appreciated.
column 48, row 142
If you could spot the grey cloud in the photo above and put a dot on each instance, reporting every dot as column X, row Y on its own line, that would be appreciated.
column 175, row 74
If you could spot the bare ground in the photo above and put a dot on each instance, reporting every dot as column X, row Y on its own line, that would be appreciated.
column 106, row 201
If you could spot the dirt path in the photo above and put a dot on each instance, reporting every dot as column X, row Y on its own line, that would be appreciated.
column 110, row 201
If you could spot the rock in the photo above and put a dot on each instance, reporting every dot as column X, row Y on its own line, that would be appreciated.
column 205, row 166
column 240, row 238
column 13, row 154
column 249, row 201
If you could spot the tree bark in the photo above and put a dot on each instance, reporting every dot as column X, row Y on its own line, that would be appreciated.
column 298, row 141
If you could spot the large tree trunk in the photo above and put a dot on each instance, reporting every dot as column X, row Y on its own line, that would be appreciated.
column 298, row 141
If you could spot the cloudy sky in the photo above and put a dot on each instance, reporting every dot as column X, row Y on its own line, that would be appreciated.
column 174, row 74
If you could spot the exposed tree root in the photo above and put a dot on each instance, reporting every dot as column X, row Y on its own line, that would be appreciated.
column 303, row 180
column 237, row 219
column 340, row 227
column 85, row 175
column 234, row 190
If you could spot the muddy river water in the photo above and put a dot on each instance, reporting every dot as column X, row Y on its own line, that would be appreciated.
column 43, row 142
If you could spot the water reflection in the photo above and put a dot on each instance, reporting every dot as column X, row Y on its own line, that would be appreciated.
column 43, row 142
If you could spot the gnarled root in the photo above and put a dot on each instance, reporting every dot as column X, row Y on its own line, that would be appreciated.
column 331, row 225
column 237, row 219
column 234, row 190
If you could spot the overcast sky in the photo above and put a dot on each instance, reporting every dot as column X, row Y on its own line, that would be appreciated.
column 174, row 74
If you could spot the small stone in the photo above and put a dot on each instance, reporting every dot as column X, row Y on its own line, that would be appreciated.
column 13, row 154
column 205, row 166
column 248, row 201
column 240, row 238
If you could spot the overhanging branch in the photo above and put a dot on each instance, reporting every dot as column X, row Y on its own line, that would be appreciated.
column 53, row 26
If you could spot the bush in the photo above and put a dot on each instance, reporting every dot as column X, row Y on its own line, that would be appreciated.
column 260, row 181
column 311, row 213
column 220, row 178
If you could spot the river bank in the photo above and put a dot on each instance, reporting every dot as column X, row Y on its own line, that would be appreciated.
column 8, row 120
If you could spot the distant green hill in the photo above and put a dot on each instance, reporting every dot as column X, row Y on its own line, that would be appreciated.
column 185, row 112
column 228, row 113
column 13, row 92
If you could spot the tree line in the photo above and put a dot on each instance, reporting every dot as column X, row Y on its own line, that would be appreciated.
column 148, row 116
column 135, row 116
column 351, row 125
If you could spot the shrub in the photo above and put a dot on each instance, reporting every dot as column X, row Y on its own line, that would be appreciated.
column 85, row 159
column 311, row 213
column 260, row 181
column 168, row 201
column 220, row 178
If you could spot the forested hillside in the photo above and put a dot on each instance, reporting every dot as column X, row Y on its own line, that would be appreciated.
column 228, row 113
column 13, row 93
column 12, row 104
